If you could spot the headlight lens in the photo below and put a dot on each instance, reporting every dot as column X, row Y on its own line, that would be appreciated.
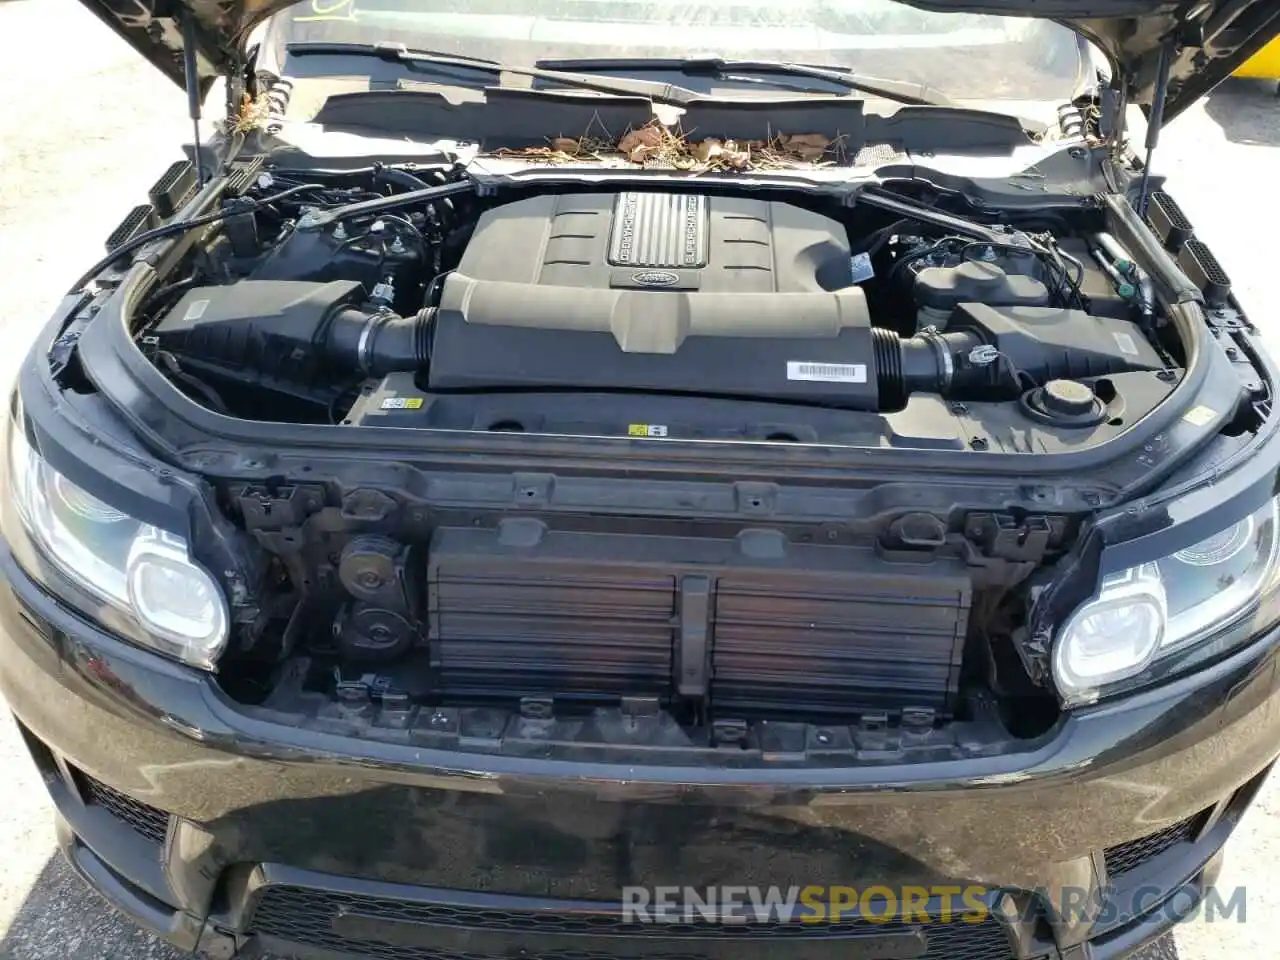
column 140, row 571
column 1147, row 613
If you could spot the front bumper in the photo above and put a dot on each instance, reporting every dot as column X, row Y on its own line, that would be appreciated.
column 235, row 835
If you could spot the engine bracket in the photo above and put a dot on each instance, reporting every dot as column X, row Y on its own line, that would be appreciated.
column 288, row 506
column 692, row 661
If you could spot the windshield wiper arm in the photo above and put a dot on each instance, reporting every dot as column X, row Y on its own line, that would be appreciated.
column 899, row 91
column 417, row 59
column 576, row 73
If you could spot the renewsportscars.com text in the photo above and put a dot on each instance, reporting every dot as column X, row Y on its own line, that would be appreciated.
column 919, row 904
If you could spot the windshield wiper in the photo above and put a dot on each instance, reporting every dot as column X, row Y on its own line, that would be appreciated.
column 425, row 59
column 754, row 71
column 577, row 73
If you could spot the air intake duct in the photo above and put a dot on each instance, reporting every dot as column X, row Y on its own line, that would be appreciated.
column 378, row 342
column 929, row 362
column 292, row 333
column 987, row 352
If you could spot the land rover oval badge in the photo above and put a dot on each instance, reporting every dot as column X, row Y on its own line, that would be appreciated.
column 656, row 278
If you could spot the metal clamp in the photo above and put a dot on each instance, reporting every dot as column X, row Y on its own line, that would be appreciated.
column 368, row 333
column 945, row 362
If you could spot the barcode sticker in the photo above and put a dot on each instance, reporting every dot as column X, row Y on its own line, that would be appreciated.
column 827, row 372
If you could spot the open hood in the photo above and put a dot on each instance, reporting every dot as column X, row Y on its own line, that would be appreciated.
column 1210, row 38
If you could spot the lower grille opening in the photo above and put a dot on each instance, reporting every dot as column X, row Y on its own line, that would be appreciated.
column 308, row 916
column 1130, row 855
column 144, row 820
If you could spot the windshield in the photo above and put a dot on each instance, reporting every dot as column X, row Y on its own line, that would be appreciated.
column 965, row 56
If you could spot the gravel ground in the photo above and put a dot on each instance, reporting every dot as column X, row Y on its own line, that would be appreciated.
column 81, row 146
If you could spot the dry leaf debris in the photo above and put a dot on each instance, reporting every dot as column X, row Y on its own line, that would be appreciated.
column 658, row 146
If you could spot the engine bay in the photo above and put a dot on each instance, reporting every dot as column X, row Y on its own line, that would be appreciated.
column 663, row 314
column 585, row 565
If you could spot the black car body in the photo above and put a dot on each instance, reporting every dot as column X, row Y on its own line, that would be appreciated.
column 420, row 541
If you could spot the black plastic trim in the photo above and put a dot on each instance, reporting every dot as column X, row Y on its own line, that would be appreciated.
column 1153, row 924
column 141, row 218
column 1168, row 220
column 114, row 842
column 453, row 921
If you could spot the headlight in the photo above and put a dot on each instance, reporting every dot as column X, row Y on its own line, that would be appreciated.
column 1224, row 585
column 140, row 571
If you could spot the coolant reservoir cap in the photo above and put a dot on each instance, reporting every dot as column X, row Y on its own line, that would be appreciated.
column 1069, row 398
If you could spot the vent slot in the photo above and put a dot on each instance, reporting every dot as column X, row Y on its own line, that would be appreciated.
column 1129, row 856
column 305, row 915
column 138, row 220
column 1166, row 218
column 759, row 626
column 243, row 174
column 174, row 188
column 859, row 645
column 1203, row 270
column 142, row 818
column 552, row 630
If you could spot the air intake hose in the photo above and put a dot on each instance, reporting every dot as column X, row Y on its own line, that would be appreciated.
column 929, row 362
column 379, row 342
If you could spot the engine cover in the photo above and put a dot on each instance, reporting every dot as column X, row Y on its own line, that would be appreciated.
column 657, row 292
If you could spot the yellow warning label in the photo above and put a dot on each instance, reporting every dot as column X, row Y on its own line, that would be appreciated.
column 402, row 403
column 646, row 430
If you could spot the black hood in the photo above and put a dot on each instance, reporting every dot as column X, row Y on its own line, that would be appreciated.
column 1209, row 39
